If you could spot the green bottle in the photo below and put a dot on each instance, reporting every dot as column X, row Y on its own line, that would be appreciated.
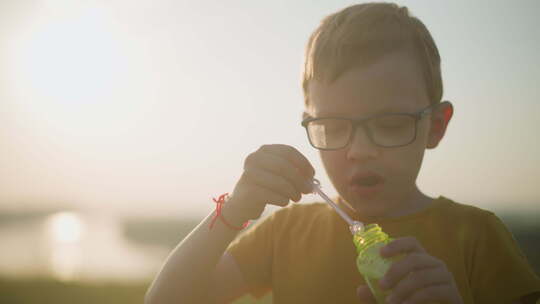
column 368, row 241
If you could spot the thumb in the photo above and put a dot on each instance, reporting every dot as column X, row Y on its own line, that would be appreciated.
column 365, row 294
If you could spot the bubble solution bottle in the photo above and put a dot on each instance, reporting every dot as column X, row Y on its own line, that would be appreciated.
column 368, row 241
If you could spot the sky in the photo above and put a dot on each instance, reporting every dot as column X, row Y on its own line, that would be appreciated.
column 150, row 107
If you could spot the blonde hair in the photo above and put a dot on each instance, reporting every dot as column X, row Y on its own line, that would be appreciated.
column 361, row 34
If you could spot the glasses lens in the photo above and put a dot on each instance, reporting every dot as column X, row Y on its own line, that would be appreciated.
column 392, row 130
column 329, row 133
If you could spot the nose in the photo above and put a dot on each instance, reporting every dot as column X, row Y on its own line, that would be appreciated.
column 361, row 147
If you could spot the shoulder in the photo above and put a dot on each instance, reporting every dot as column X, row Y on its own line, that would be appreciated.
column 302, row 213
column 464, row 213
column 481, row 229
column 292, row 216
column 471, row 223
column 489, row 249
column 295, row 219
column 302, row 209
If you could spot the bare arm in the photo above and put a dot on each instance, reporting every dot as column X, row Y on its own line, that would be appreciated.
column 188, row 274
column 231, row 283
column 274, row 174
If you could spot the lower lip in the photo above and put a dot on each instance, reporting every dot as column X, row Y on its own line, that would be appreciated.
column 366, row 191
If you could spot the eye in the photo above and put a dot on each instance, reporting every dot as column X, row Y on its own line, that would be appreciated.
column 334, row 128
column 330, row 127
column 337, row 125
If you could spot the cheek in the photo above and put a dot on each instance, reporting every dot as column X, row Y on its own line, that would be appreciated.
column 331, row 159
column 406, row 162
column 403, row 164
column 335, row 162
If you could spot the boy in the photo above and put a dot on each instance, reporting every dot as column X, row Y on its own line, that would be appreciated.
column 372, row 86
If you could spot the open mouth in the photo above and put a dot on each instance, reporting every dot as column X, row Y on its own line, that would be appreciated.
column 366, row 185
column 367, row 181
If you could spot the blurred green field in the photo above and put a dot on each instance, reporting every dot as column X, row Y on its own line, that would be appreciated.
column 50, row 291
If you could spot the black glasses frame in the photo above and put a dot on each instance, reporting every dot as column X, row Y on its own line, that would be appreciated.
column 363, row 123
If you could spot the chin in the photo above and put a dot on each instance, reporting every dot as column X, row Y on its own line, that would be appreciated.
column 368, row 207
column 371, row 210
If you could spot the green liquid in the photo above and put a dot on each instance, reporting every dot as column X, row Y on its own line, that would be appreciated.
column 378, row 293
column 370, row 264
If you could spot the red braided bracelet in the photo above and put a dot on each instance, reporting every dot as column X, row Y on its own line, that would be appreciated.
column 219, row 204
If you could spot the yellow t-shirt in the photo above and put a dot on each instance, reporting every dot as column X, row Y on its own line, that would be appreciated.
column 303, row 253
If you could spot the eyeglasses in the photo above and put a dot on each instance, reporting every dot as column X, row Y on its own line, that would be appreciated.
column 384, row 130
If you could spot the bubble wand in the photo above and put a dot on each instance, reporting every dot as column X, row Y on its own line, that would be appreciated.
column 368, row 240
column 354, row 226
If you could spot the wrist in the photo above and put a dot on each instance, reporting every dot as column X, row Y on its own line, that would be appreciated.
column 219, row 215
column 233, row 216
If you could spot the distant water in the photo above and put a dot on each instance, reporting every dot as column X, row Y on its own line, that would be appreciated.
column 76, row 246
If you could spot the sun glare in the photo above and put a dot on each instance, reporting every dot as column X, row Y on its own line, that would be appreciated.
column 65, row 231
column 65, row 227
column 71, row 66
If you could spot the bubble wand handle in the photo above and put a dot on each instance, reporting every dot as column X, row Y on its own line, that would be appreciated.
column 354, row 226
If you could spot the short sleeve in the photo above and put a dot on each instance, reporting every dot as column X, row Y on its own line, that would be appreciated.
column 500, row 271
column 253, row 252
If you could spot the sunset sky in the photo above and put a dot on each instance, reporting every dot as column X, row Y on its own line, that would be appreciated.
column 150, row 107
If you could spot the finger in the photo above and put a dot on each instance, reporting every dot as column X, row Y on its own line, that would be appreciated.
column 250, row 202
column 254, row 197
column 416, row 280
column 402, row 245
column 272, row 182
column 267, row 196
column 279, row 166
column 294, row 156
column 411, row 262
column 443, row 293
column 364, row 293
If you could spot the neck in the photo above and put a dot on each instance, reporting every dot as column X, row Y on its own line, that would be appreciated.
column 414, row 202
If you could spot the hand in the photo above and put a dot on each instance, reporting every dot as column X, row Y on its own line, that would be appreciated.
column 418, row 277
column 274, row 174
column 365, row 295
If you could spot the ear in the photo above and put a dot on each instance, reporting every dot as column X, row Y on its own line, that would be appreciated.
column 440, row 118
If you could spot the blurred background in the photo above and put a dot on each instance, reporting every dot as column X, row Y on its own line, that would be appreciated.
column 122, row 119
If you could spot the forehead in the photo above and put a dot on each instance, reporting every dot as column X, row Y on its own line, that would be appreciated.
column 392, row 84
